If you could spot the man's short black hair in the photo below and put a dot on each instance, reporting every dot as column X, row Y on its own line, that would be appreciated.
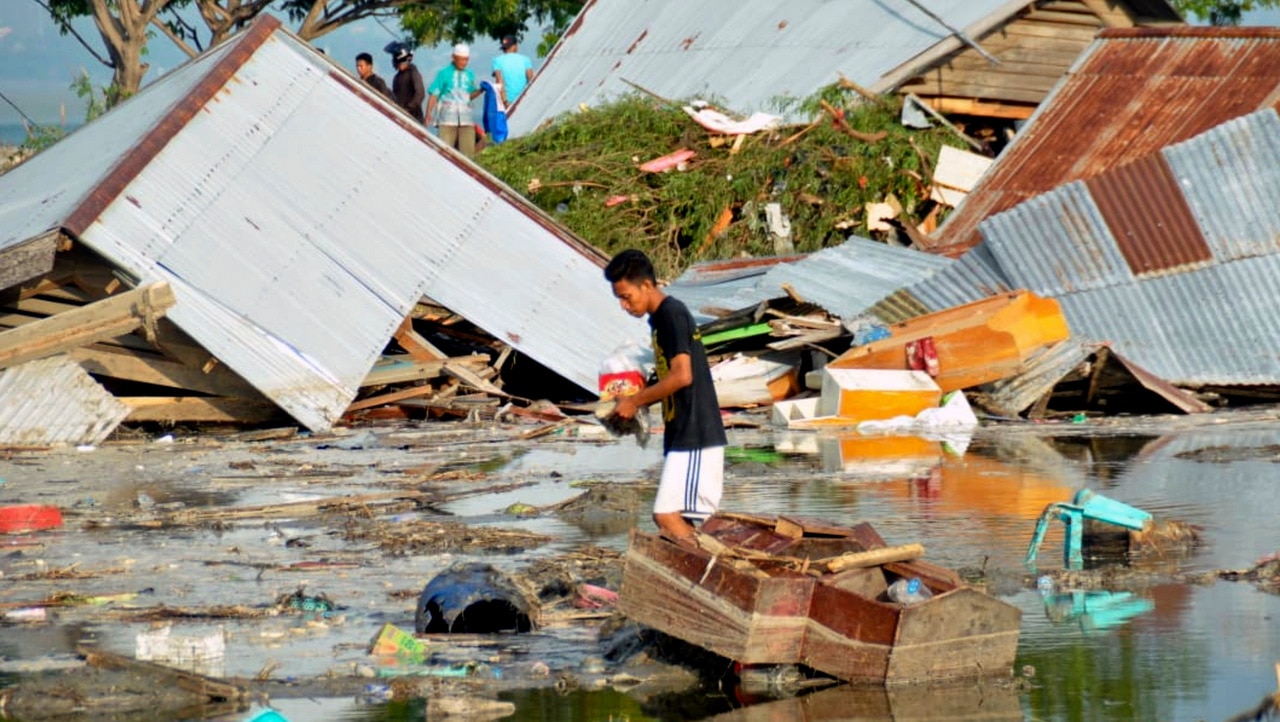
column 630, row 265
column 365, row 57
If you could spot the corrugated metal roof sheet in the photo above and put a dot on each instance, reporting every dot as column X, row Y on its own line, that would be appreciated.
column 1011, row 396
column 846, row 280
column 1131, row 93
column 53, row 401
column 299, row 223
column 747, row 52
column 1211, row 322
column 973, row 277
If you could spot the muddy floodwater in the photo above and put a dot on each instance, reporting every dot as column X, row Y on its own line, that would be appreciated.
column 1165, row 640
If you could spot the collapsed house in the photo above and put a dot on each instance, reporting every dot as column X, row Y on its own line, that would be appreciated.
column 1132, row 93
column 987, row 58
column 1150, row 220
column 252, row 230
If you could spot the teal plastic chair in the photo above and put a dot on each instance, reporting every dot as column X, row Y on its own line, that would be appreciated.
column 1085, row 505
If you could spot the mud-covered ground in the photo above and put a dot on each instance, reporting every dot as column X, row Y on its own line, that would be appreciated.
column 296, row 549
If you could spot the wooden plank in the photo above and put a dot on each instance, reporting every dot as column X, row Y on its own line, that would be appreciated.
column 988, row 109
column 470, row 378
column 215, row 689
column 200, row 409
column 876, row 557
column 101, row 360
column 395, row 371
column 394, row 396
column 418, row 347
column 85, row 325
column 1055, row 32
column 1083, row 19
column 176, row 344
column 29, row 259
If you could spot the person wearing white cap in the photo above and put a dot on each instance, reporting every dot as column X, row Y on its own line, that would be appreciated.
column 451, row 92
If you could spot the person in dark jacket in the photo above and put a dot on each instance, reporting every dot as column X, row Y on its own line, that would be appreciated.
column 364, row 66
column 407, row 87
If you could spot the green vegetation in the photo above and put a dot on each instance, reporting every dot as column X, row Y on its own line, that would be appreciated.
column 822, row 179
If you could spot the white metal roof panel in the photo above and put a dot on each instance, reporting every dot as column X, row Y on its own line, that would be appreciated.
column 53, row 401
column 38, row 194
column 745, row 52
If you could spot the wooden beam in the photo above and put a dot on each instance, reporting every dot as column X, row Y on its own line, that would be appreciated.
column 154, row 369
column 85, row 325
column 392, row 371
column 418, row 347
column 391, row 398
column 176, row 344
column 210, row 687
column 200, row 409
column 987, row 109
column 471, row 378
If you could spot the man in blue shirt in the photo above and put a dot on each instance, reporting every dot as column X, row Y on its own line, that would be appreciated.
column 452, row 91
column 513, row 70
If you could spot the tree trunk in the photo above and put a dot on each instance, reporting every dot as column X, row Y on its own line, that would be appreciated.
column 123, row 26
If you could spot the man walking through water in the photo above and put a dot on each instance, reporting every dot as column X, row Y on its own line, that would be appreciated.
column 693, row 437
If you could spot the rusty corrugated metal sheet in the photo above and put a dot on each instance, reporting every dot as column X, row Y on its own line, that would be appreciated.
column 1148, row 216
column 1191, row 314
column 1133, row 92
column 53, row 401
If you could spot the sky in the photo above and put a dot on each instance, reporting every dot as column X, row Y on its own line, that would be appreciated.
column 37, row 64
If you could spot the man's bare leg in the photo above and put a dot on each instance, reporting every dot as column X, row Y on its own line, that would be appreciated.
column 674, row 527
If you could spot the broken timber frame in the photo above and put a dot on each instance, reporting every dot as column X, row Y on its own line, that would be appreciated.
column 86, row 325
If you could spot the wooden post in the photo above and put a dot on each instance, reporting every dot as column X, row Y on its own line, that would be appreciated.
column 876, row 557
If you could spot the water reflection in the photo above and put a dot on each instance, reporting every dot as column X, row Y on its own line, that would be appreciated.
column 991, row 702
column 1095, row 610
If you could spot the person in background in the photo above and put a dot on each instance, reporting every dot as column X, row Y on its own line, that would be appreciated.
column 451, row 92
column 513, row 70
column 693, row 437
column 493, row 115
column 406, row 87
column 364, row 66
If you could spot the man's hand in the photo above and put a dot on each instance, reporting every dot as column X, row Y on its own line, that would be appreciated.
column 625, row 407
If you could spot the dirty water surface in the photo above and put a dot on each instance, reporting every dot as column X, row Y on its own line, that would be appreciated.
column 142, row 547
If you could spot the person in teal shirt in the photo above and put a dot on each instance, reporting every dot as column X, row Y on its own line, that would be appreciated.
column 451, row 92
column 513, row 70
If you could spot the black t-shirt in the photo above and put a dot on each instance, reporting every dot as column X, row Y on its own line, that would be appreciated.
column 692, row 414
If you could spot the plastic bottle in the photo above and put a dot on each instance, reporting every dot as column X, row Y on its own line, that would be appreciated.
column 909, row 591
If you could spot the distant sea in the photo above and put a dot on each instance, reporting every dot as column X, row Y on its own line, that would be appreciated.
column 15, row 133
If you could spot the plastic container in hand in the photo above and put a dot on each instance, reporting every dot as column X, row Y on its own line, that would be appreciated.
column 908, row 592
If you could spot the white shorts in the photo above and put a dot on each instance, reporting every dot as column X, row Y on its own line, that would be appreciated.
column 691, row 483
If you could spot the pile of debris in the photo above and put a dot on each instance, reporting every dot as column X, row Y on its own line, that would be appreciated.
column 686, row 182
